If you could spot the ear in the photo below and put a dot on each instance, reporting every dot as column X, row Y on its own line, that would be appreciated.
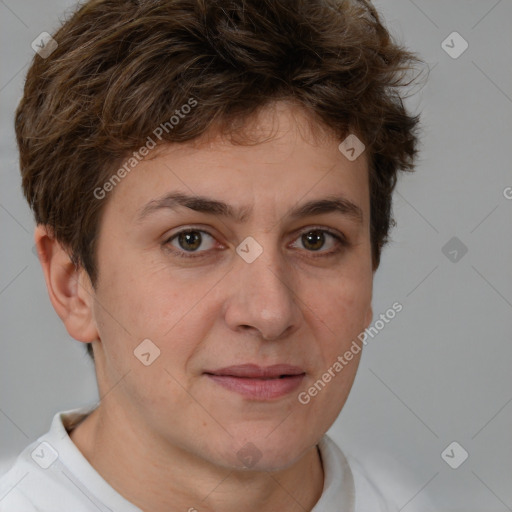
column 69, row 288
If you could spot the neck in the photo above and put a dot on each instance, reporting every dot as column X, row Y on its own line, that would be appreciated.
column 158, row 477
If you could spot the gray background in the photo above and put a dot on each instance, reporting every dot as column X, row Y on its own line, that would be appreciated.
column 440, row 371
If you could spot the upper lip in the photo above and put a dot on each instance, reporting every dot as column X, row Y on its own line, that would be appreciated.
column 253, row 371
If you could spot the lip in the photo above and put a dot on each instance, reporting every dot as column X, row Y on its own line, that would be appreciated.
column 257, row 382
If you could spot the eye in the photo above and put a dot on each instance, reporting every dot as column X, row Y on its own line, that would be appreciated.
column 315, row 238
column 188, row 241
column 185, row 243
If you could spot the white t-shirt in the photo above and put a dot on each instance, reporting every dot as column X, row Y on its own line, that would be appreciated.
column 52, row 475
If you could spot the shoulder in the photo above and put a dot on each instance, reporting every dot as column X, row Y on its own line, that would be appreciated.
column 371, row 494
column 384, row 484
column 38, row 474
column 12, row 498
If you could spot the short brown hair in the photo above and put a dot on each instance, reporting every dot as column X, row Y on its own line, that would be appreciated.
column 123, row 67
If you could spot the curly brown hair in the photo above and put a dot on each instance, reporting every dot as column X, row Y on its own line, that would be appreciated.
column 123, row 67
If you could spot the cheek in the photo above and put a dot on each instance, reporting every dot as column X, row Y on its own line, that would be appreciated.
column 341, row 314
column 150, row 303
column 342, row 307
column 144, row 300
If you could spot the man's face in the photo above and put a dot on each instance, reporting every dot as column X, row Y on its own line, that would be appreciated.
column 302, row 301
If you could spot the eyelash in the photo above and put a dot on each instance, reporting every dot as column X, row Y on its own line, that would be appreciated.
column 341, row 242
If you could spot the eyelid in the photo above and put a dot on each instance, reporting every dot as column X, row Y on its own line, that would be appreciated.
column 331, row 231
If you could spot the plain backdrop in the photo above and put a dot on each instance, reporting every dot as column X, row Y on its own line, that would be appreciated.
column 439, row 372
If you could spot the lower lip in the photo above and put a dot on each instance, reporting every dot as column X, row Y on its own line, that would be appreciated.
column 259, row 389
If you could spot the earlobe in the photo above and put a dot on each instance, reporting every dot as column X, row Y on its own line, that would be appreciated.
column 69, row 288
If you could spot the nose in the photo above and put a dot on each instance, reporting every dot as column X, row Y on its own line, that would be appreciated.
column 263, row 299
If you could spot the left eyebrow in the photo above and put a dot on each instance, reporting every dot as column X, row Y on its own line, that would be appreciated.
column 330, row 204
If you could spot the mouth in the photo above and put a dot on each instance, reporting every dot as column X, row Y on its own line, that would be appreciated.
column 259, row 383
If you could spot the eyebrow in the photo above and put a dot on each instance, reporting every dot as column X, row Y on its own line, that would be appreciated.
column 174, row 200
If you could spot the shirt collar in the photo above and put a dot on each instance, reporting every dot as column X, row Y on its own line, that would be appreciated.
column 339, row 490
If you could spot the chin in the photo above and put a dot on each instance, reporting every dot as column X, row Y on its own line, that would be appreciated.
column 265, row 453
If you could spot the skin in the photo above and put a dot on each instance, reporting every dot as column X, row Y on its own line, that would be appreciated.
column 165, row 436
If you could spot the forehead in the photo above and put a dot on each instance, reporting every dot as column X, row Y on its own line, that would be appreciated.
column 293, row 160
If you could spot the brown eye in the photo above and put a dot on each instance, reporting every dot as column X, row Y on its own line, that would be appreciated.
column 313, row 240
column 187, row 242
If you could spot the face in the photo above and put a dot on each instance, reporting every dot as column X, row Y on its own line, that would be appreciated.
column 247, row 286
